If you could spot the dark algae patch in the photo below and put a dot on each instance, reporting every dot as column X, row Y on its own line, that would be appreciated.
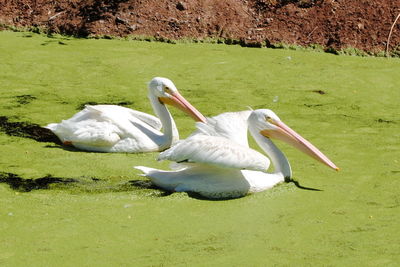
column 25, row 99
column 384, row 121
column 81, row 184
column 26, row 185
column 27, row 130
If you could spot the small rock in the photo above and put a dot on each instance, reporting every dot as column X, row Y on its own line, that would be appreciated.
column 133, row 27
column 121, row 20
column 180, row 6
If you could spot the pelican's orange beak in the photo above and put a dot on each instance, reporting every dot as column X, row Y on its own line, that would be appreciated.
column 178, row 101
column 286, row 134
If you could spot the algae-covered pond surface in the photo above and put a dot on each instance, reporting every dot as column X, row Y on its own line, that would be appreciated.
column 64, row 207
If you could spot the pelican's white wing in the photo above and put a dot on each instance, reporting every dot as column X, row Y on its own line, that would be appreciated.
column 231, row 125
column 217, row 151
column 146, row 118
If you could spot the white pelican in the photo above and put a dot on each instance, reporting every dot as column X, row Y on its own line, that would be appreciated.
column 111, row 128
column 231, row 125
column 215, row 167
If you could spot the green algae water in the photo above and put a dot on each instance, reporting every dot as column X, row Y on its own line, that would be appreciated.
column 93, row 209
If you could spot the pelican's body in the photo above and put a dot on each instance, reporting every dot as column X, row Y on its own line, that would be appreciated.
column 230, row 125
column 110, row 128
column 216, row 167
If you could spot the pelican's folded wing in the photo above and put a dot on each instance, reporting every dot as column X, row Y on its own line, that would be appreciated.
column 147, row 118
column 217, row 151
column 127, row 112
column 231, row 125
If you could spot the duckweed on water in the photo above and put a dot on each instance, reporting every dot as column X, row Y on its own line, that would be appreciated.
column 94, row 209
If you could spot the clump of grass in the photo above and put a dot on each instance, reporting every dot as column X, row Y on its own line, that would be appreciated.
column 315, row 47
column 396, row 52
column 352, row 51
column 9, row 27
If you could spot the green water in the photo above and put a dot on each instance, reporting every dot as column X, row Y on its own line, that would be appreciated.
column 107, row 221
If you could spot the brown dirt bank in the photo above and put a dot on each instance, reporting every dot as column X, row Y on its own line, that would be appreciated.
column 336, row 24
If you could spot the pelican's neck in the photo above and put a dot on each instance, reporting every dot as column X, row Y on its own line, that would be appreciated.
column 278, row 159
column 170, row 131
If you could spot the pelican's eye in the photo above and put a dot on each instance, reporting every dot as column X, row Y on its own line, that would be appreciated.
column 269, row 119
column 167, row 90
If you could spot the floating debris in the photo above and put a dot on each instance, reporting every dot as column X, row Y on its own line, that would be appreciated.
column 319, row 92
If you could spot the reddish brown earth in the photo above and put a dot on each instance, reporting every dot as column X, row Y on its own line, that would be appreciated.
column 336, row 24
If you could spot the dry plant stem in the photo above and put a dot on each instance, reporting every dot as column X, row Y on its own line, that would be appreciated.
column 390, row 35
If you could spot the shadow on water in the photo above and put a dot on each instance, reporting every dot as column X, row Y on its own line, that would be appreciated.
column 200, row 197
column 92, row 103
column 82, row 185
column 27, row 130
column 26, row 185
column 95, row 185
column 68, row 148
column 146, row 184
column 298, row 185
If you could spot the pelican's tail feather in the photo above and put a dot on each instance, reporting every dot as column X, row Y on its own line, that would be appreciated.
column 52, row 126
column 145, row 170
column 59, row 131
column 160, row 178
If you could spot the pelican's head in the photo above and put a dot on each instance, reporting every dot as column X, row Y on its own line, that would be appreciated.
column 269, row 125
column 166, row 92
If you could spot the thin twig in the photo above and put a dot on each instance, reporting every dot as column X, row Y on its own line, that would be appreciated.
column 390, row 35
column 308, row 36
column 56, row 15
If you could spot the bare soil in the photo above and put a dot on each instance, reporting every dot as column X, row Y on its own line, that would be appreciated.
column 333, row 24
